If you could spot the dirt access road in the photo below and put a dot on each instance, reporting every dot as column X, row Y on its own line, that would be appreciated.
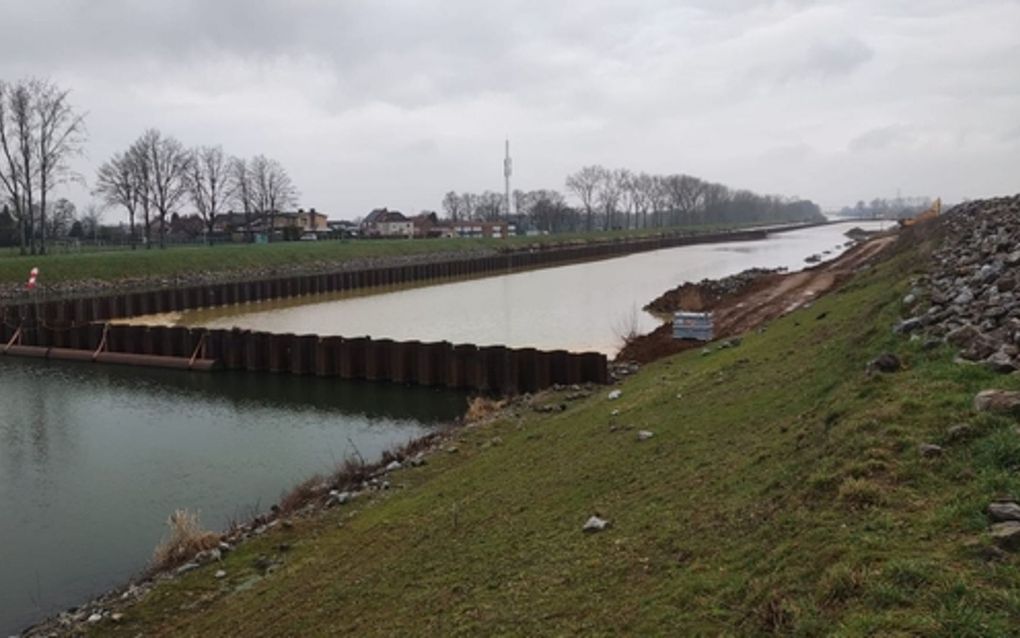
column 755, row 301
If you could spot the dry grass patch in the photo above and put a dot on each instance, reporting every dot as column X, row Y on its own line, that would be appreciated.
column 482, row 408
column 187, row 538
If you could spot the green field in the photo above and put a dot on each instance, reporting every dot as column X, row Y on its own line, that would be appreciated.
column 783, row 492
column 124, row 264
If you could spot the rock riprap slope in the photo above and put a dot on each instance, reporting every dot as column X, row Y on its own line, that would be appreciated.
column 973, row 288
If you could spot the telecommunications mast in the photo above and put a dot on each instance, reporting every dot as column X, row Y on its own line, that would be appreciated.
column 508, row 170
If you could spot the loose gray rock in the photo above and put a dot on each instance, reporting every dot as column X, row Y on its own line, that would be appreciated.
column 1004, row 401
column 1001, row 511
column 929, row 450
column 885, row 362
column 220, row 574
column 959, row 432
column 394, row 465
column 595, row 524
column 187, row 567
column 1006, row 534
column 94, row 618
column 340, row 498
column 644, row 435
column 615, row 394
column 1000, row 362
column 963, row 336
column 908, row 325
column 208, row 556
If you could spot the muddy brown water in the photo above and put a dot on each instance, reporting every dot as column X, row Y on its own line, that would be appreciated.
column 579, row 307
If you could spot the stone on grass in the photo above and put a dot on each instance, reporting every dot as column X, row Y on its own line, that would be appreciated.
column 615, row 394
column 885, row 362
column 1007, row 401
column 644, row 435
column 1000, row 362
column 908, row 325
column 959, row 432
column 1001, row 511
column 595, row 524
column 1006, row 534
column 340, row 498
column 94, row 618
column 394, row 465
column 929, row 450
column 220, row 574
column 187, row 567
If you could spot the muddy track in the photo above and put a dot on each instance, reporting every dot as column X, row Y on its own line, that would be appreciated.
column 770, row 296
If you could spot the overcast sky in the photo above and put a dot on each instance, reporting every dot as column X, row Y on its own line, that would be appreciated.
column 393, row 103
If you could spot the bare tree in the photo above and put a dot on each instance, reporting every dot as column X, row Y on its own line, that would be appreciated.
column 608, row 193
column 18, row 171
column 243, row 191
column 165, row 164
column 58, row 223
column 584, row 184
column 453, row 205
column 61, row 132
column 210, row 183
column 91, row 219
column 118, row 184
column 469, row 202
column 272, row 189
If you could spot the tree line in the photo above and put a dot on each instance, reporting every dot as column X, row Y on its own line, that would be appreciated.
column 157, row 174
column 152, row 180
column 621, row 198
column 881, row 208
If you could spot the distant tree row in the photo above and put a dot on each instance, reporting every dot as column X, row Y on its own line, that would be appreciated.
column 154, row 179
column 621, row 198
column 879, row 208
column 157, row 175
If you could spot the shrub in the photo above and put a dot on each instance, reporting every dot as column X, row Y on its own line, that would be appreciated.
column 187, row 538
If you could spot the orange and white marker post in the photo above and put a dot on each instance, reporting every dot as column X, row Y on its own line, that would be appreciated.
column 32, row 276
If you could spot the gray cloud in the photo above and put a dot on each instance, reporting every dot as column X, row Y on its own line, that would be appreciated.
column 396, row 101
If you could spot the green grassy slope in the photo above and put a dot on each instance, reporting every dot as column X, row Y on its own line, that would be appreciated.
column 130, row 264
column 782, row 492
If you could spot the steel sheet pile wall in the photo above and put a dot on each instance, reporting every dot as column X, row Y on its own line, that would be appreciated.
column 442, row 364
column 74, row 328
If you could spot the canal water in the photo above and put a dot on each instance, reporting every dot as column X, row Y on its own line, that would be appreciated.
column 94, row 458
column 586, row 306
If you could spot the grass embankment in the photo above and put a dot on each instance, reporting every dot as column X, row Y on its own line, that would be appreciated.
column 235, row 258
column 782, row 492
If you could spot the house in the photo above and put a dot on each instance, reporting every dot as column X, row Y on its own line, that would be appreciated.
column 232, row 222
column 494, row 230
column 428, row 224
column 308, row 221
column 382, row 222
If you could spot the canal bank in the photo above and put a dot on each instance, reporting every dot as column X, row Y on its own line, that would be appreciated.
column 94, row 458
column 779, row 489
column 175, row 416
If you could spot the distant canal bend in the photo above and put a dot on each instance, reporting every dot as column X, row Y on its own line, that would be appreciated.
column 579, row 307
column 94, row 458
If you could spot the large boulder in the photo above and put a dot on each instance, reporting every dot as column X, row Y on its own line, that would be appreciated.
column 1003, row 401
